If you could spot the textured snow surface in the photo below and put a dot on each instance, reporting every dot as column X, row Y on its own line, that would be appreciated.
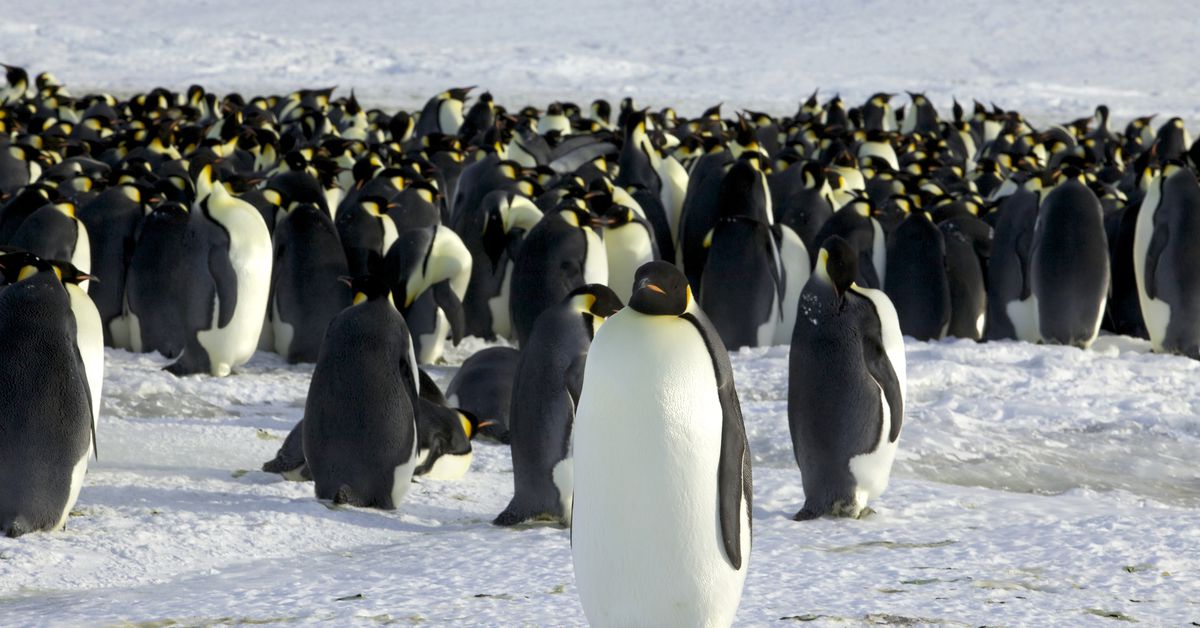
column 1035, row 485
column 1051, row 59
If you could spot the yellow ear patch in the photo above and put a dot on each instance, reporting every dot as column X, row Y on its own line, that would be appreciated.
column 466, row 425
column 708, row 238
column 359, row 297
column 27, row 272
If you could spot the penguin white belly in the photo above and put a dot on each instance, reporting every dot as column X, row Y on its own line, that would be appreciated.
column 595, row 265
column 872, row 470
column 794, row 257
column 403, row 474
column 627, row 247
column 434, row 343
column 89, row 338
column 119, row 328
column 81, row 257
column 282, row 333
column 1024, row 317
column 498, row 305
column 1156, row 314
column 563, row 475
column 250, row 254
column 674, row 188
column 646, row 536
column 447, row 467
column 77, row 474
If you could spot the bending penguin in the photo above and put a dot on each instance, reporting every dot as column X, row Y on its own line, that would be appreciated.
column 662, row 509
column 846, row 387
column 1166, row 255
column 545, row 393
column 359, row 425
column 43, row 455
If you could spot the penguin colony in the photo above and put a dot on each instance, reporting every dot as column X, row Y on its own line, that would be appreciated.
column 623, row 252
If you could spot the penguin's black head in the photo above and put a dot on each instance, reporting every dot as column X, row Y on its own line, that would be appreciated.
column 366, row 287
column 70, row 274
column 596, row 299
column 660, row 289
column 838, row 263
column 18, row 265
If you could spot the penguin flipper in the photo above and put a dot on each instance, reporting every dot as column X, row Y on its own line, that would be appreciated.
column 445, row 298
column 290, row 456
column 734, row 479
column 879, row 366
column 193, row 359
column 1158, row 243
column 226, row 281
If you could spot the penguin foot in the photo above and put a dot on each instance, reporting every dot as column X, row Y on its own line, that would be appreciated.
column 807, row 514
column 865, row 512
column 508, row 519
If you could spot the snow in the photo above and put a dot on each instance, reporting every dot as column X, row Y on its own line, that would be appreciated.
column 1057, row 60
column 1034, row 485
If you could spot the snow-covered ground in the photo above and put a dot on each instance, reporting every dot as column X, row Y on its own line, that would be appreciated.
column 1055, row 60
column 1035, row 486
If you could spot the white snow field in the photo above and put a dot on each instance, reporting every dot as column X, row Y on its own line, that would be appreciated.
column 1034, row 485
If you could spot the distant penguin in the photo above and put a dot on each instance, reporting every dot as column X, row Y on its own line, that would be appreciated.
column 1011, row 306
column 854, row 223
column 305, row 291
column 968, row 244
column 112, row 220
column 545, row 392
column 918, row 286
column 360, row 431
column 443, row 113
column 1069, row 266
column 663, row 499
column 846, row 387
column 53, row 232
column 432, row 259
column 493, row 240
column 238, row 311
column 366, row 232
column 743, row 283
column 47, row 420
column 561, row 253
column 1166, row 257
column 807, row 208
column 629, row 242
column 483, row 386
column 18, row 167
column 700, row 213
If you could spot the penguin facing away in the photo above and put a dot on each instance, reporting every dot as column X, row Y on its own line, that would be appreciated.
column 360, row 430
column 659, row 434
column 846, row 387
column 43, row 455
column 545, row 393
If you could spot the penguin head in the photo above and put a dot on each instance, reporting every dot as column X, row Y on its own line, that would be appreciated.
column 470, row 423
column 20, row 265
column 660, row 289
column 595, row 299
column 68, row 273
column 366, row 288
column 837, row 264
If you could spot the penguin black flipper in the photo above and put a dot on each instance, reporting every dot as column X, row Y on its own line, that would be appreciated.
column 1024, row 252
column 574, row 378
column 1158, row 244
column 734, row 481
column 225, row 279
column 289, row 460
column 430, row 390
column 879, row 366
column 445, row 298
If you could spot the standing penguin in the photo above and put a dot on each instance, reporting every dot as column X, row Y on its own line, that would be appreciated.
column 443, row 113
column 232, row 339
column 1069, row 268
column 846, row 387
column 360, row 430
column 918, row 285
column 561, row 253
column 1011, row 306
column 47, row 421
column 430, row 269
column 53, row 232
column 1166, row 256
column 545, row 392
column 629, row 242
column 305, row 291
column 503, row 219
column 968, row 243
column 112, row 220
column 662, row 509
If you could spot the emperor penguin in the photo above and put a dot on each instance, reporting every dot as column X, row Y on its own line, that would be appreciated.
column 968, row 244
column 112, row 220
column 629, row 242
column 89, row 333
column 855, row 223
column 506, row 218
column 443, row 113
column 1011, row 304
column 545, row 392
column 434, row 265
column 305, row 291
column 1069, row 266
column 366, row 232
column 444, row 435
column 918, row 285
column 360, row 430
column 54, row 233
column 1166, row 255
column 663, row 493
column 237, row 322
column 47, row 420
column 562, row 252
column 846, row 387
column 483, row 386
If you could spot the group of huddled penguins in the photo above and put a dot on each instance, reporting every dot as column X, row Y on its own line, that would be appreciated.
column 622, row 251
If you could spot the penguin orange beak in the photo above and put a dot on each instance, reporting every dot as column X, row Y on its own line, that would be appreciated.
column 655, row 288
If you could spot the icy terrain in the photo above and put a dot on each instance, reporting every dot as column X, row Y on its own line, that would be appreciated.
column 1035, row 485
column 1048, row 59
